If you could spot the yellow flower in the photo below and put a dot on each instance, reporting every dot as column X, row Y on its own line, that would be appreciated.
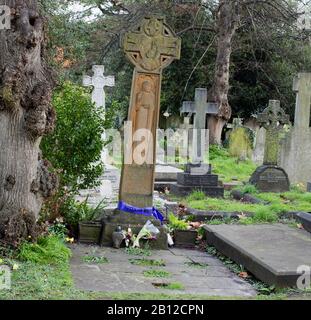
column 15, row 266
column 70, row 240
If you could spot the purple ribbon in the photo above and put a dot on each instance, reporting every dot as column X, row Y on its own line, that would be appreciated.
column 148, row 212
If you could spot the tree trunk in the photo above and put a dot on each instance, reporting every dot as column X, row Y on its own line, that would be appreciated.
column 26, row 115
column 226, row 28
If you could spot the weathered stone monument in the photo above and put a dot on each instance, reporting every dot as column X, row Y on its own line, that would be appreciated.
column 110, row 180
column 295, row 152
column 151, row 47
column 197, row 175
column 270, row 177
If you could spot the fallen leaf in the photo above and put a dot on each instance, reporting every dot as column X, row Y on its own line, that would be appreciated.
column 243, row 275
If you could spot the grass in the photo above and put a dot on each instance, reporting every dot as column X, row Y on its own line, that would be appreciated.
column 170, row 286
column 197, row 265
column 229, row 168
column 156, row 274
column 47, row 250
column 52, row 280
column 148, row 262
column 278, row 204
column 95, row 259
column 138, row 251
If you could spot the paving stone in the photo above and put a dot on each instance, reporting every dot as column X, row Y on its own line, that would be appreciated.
column 270, row 252
column 119, row 275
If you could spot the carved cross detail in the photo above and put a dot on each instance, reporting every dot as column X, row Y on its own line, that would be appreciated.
column 273, row 120
column 153, row 46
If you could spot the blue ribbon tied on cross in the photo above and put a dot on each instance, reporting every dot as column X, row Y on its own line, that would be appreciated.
column 148, row 212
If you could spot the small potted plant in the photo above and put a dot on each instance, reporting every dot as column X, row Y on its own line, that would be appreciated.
column 90, row 227
column 184, row 234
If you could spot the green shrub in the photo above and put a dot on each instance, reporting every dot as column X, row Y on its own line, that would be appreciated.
column 75, row 146
column 75, row 212
column 47, row 250
column 176, row 224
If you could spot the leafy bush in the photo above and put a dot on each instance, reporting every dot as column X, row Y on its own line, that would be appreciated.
column 75, row 212
column 47, row 250
column 176, row 224
column 75, row 147
column 58, row 228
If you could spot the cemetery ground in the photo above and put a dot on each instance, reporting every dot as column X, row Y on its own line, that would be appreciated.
column 57, row 267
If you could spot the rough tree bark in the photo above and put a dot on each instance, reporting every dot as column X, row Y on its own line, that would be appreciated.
column 26, row 115
column 227, row 21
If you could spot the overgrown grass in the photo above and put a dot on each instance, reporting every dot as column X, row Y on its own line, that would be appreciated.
column 228, row 167
column 277, row 204
column 47, row 250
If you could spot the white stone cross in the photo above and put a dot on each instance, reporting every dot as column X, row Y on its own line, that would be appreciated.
column 99, row 82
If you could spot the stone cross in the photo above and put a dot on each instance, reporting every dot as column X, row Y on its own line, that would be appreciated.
column 200, row 107
column 273, row 120
column 302, row 87
column 151, row 47
column 99, row 82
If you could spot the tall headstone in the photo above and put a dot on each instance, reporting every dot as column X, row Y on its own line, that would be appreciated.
column 111, row 178
column 296, row 148
column 270, row 177
column 201, row 109
column 198, row 175
column 151, row 47
column 302, row 88
column 99, row 81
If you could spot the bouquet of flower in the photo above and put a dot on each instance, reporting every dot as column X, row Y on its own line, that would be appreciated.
column 149, row 232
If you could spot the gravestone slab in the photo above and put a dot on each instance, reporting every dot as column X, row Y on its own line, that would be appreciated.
column 119, row 275
column 270, row 179
column 305, row 219
column 296, row 147
column 309, row 187
column 200, row 179
column 272, row 253
column 166, row 173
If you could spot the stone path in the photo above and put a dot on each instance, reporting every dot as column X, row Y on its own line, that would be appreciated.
column 119, row 275
column 272, row 253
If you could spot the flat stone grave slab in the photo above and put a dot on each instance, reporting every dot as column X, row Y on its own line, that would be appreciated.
column 272, row 253
column 210, row 278
column 305, row 219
